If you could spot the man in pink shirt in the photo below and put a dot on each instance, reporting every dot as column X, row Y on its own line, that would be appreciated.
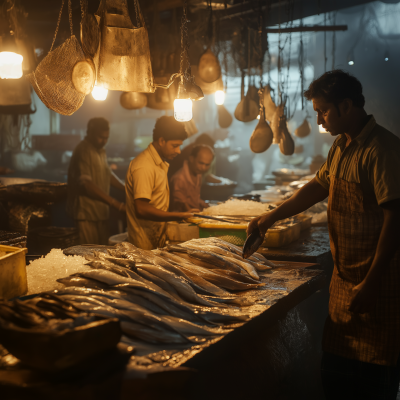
column 185, row 184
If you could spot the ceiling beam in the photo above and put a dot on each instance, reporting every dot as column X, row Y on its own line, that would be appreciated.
column 308, row 28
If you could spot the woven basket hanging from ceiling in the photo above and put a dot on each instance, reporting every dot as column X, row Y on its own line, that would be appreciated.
column 123, row 59
column 52, row 79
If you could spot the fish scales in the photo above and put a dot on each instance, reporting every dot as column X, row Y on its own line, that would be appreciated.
column 183, row 288
column 159, row 282
column 214, row 259
column 178, row 324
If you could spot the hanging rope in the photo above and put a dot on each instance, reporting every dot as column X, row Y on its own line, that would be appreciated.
column 260, row 39
column 334, row 42
column 325, row 57
column 301, row 65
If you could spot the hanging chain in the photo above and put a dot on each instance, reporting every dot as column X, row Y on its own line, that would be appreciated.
column 58, row 24
column 184, row 43
column 83, row 8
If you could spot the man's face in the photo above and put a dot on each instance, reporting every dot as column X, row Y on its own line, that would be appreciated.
column 100, row 139
column 328, row 115
column 170, row 148
column 201, row 164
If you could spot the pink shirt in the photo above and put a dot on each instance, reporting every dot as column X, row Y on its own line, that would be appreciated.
column 185, row 191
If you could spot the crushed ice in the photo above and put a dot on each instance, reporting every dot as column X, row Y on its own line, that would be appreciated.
column 44, row 272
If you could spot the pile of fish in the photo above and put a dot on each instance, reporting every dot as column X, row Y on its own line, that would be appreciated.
column 179, row 294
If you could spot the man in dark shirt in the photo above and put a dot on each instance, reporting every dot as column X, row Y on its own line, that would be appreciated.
column 185, row 185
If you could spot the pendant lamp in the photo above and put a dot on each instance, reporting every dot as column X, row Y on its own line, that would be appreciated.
column 188, row 91
column 10, row 59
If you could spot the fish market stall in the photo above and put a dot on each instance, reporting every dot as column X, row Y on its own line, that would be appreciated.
column 183, row 311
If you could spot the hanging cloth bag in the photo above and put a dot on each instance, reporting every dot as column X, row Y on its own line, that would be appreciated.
column 52, row 79
column 123, row 59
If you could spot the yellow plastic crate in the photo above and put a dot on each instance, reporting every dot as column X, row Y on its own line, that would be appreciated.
column 13, row 280
column 282, row 235
column 305, row 221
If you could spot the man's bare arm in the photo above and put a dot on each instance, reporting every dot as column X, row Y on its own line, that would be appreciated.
column 116, row 182
column 147, row 211
column 93, row 191
column 307, row 196
column 364, row 294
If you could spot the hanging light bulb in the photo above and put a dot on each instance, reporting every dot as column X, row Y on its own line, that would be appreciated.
column 350, row 58
column 99, row 93
column 182, row 106
column 219, row 97
column 386, row 56
column 183, row 110
column 321, row 129
column 10, row 59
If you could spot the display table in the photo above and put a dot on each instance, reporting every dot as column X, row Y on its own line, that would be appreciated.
column 257, row 358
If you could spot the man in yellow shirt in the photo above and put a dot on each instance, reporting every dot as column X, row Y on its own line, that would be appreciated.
column 361, row 340
column 89, row 180
column 147, row 190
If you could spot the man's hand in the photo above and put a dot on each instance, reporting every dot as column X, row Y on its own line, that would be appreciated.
column 194, row 210
column 363, row 297
column 263, row 223
column 185, row 215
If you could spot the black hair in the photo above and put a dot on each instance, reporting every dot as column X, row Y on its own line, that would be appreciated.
column 196, row 150
column 97, row 125
column 335, row 86
column 206, row 139
column 169, row 129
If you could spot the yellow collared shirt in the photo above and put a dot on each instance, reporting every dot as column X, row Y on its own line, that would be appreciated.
column 147, row 179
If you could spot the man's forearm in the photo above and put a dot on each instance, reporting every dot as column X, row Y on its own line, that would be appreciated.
column 303, row 199
column 116, row 182
column 147, row 211
column 96, row 193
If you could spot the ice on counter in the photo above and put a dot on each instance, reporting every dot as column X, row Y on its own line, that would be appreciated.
column 237, row 207
column 43, row 273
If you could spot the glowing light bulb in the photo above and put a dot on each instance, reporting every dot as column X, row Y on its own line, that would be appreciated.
column 386, row 58
column 351, row 62
column 99, row 93
column 183, row 110
column 321, row 129
column 219, row 97
column 258, row 116
column 10, row 65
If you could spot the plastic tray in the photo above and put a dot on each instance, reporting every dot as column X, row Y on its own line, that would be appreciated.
column 13, row 280
column 181, row 232
column 234, row 236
